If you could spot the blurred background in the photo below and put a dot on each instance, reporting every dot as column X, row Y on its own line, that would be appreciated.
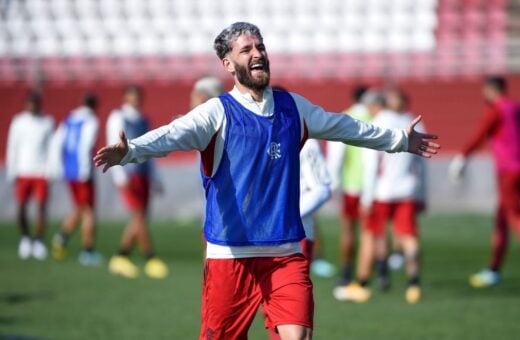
column 437, row 50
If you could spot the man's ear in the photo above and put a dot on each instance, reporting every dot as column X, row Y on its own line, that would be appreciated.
column 228, row 65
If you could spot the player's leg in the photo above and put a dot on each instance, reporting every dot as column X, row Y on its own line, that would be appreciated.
column 381, row 261
column 406, row 229
column 39, row 250
column 22, row 194
column 287, row 295
column 510, row 195
column 230, row 298
column 349, row 218
column 88, row 256
column 68, row 226
column 319, row 265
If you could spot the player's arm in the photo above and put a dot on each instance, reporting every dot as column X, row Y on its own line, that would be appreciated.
column 54, row 162
column 192, row 131
column 335, row 159
column 343, row 128
column 115, row 125
column 487, row 127
column 11, row 152
column 316, row 178
column 371, row 163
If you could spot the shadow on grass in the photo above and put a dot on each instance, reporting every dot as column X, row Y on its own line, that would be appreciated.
column 17, row 298
column 17, row 337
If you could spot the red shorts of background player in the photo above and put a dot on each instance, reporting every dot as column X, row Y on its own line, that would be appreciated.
column 350, row 208
column 509, row 197
column 233, row 289
column 136, row 193
column 403, row 215
column 82, row 192
column 31, row 186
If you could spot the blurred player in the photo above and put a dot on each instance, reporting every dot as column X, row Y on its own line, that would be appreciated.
column 500, row 125
column 135, row 183
column 346, row 169
column 393, row 190
column 204, row 89
column 73, row 145
column 250, row 139
column 26, row 164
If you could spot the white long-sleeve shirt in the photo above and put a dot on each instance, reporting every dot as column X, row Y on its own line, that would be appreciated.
column 27, row 145
column 392, row 177
column 207, row 121
column 84, row 144
column 314, row 184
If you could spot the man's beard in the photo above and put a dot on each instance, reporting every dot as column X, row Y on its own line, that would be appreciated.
column 246, row 78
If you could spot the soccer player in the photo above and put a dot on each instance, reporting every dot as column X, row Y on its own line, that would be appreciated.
column 204, row 89
column 393, row 190
column 135, row 183
column 250, row 139
column 500, row 125
column 73, row 145
column 26, row 164
column 346, row 169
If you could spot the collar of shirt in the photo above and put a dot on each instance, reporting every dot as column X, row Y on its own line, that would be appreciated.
column 264, row 108
column 130, row 112
column 82, row 112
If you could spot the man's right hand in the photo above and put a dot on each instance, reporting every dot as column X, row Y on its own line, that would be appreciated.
column 111, row 155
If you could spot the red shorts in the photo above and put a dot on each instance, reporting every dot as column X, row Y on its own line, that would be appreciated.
column 403, row 214
column 31, row 186
column 82, row 192
column 136, row 193
column 509, row 197
column 350, row 207
column 233, row 289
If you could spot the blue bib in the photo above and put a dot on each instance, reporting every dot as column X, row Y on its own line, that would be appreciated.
column 253, row 198
column 70, row 150
column 134, row 129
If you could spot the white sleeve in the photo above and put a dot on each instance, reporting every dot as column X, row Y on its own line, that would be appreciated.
column 54, row 162
column 114, row 125
column 313, row 171
column 422, row 175
column 370, row 166
column 88, row 141
column 335, row 160
column 192, row 131
column 11, row 152
column 343, row 128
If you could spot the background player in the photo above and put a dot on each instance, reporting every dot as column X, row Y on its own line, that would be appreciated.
column 26, row 164
column 500, row 125
column 346, row 169
column 134, row 182
column 72, row 148
column 250, row 140
column 393, row 190
column 204, row 89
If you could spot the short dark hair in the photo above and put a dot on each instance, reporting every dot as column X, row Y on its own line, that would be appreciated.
column 358, row 92
column 134, row 89
column 90, row 100
column 223, row 41
column 34, row 97
column 497, row 82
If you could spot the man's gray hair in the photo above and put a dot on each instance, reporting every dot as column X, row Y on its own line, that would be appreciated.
column 223, row 41
column 373, row 97
column 209, row 86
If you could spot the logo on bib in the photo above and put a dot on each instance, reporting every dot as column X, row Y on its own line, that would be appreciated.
column 274, row 150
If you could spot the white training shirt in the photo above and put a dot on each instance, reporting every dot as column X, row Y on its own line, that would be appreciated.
column 86, row 143
column 196, row 129
column 27, row 145
column 314, row 184
column 392, row 177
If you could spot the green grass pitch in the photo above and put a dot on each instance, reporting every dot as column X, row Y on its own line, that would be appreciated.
column 53, row 300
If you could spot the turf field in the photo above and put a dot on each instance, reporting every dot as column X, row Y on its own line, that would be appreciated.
column 52, row 300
